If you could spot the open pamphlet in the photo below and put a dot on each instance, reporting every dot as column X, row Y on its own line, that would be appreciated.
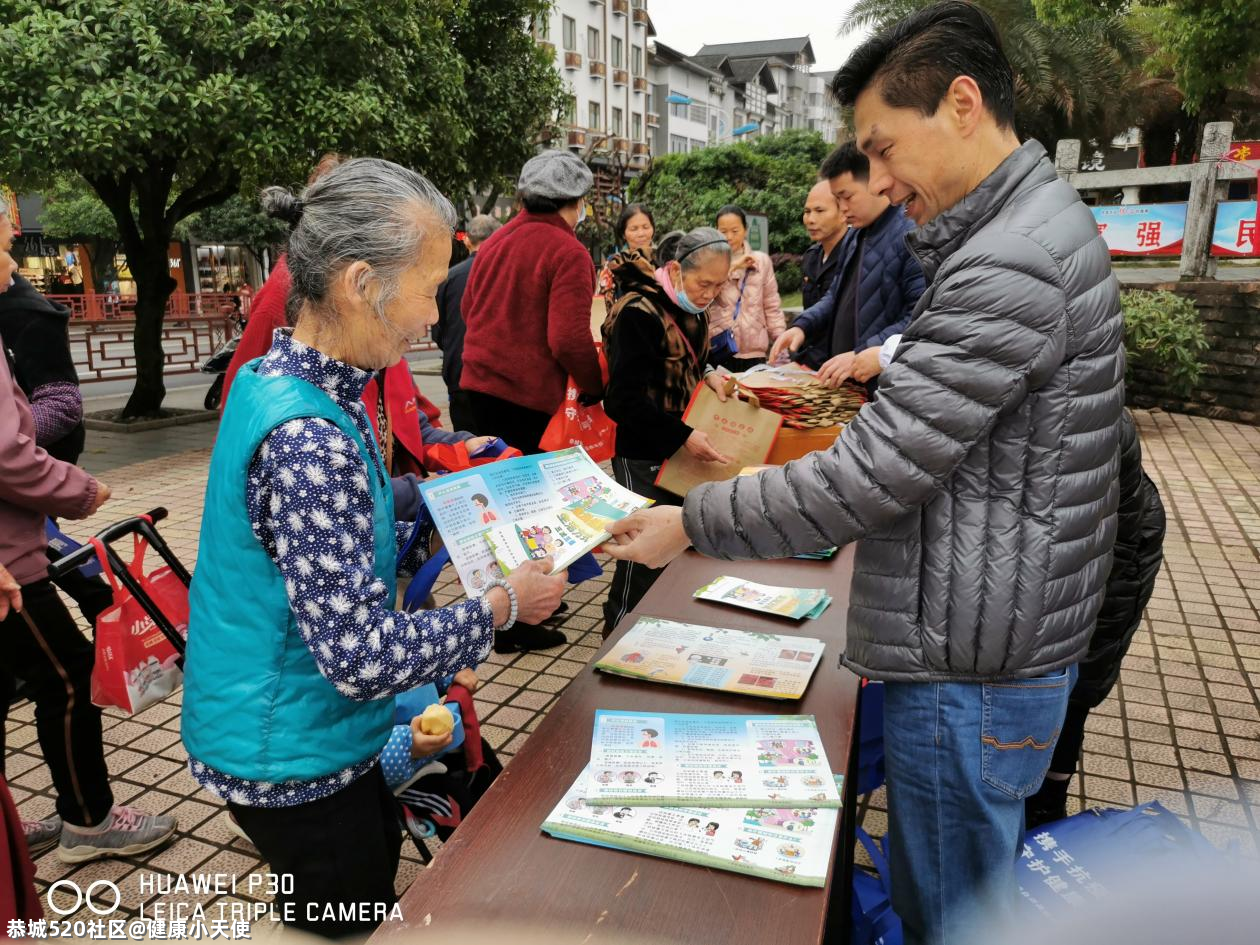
column 495, row 517
column 798, row 603
column 736, row 428
column 687, row 654
column 669, row 759
column 790, row 845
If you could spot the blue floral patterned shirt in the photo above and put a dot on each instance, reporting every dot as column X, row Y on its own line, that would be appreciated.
column 310, row 506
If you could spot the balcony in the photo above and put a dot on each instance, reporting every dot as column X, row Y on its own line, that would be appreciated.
column 550, row 47
column 621, row 77
column 621, row 7
column 640, row 16
column 640, row 149
column 577, row 138
column 598, row 69
column 639, row 160
column 621, row 145
column 653, row 120
column 573, row 60
column 640, row 84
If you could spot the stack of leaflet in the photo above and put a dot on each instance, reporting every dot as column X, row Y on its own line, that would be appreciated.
column 749, row 794
column 803, row 401
column 798, row 603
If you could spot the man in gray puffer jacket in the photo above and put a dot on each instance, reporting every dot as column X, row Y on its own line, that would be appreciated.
column 982, row 480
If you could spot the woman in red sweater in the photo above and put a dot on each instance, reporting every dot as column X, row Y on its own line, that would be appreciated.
column 527, row 308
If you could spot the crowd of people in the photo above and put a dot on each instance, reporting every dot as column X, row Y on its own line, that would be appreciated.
column 1008, row 537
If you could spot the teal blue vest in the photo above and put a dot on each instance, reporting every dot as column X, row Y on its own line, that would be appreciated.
column 255, row 704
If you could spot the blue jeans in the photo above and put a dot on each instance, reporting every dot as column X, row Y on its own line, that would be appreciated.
column 961, row 758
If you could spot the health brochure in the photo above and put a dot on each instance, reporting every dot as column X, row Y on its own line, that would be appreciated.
column 788, row 845
column 670, row 760
column 798, row 603
column 738, row 661
column 530, row 506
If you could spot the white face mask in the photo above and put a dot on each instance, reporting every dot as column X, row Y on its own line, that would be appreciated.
column 581, row 214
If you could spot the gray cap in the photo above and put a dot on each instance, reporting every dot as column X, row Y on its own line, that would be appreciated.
column 558, row 175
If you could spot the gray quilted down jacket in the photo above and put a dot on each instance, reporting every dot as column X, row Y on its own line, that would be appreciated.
column 983, row 478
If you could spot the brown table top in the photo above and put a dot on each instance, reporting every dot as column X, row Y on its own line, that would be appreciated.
column 500, row 867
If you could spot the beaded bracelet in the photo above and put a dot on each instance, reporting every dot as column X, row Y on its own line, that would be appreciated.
column 514, row 609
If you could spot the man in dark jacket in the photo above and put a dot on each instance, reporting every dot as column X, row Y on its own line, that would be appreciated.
column 1139, row 552
column 449, row 330
column 982, row 481
column 877, row 281
column 826, row 226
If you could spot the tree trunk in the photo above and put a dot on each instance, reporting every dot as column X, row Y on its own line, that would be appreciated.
column 153, row 287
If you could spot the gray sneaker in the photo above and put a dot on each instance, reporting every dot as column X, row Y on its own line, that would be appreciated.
column 125, row 832
column 41, row 835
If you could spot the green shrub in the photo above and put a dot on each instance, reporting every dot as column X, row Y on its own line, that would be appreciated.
column 789, row 278
column 1162, row 332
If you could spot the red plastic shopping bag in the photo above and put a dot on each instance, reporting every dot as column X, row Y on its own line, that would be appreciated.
column 136, row 665
column 575, row 425
column 454, row 457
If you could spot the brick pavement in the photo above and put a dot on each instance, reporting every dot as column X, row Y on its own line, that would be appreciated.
column 1182, row 726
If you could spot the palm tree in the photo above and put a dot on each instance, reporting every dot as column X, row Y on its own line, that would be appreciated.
column 1079, row 80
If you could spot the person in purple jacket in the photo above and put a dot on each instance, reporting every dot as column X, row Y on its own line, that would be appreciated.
column 41, row 645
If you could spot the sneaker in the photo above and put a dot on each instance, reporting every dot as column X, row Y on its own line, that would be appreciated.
column 527, row 637
column 125, row 832
column 41, row 835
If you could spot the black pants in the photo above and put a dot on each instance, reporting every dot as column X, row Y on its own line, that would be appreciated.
column 734, row 363
column 461, row 411
column 631, row 581
column 1067, row 751
column 341, row 848
column 54, row 662
column 516, row 425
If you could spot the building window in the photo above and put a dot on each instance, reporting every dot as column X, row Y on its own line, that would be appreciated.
column 677, row 144
column 697, row 113
column 696, row 145
column 618, row 123
column 677, row 109
column 570, row 34
column 594, row 48
column 570, row 110
column 636, row 126
column 636, row 60
column 593, row 120
column 542, row 26
column 617, row 52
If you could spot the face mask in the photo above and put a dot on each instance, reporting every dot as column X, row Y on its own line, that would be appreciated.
column 686, row 304
column 581, row 214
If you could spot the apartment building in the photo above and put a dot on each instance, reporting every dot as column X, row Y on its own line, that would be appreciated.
column 601, row 50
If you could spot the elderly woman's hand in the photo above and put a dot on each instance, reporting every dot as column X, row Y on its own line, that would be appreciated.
column 538, row 592
column 10, row 593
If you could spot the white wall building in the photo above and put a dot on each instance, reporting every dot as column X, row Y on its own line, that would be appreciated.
column 601, row 50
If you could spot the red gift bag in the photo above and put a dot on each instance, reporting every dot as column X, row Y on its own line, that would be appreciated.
column 575, row 425
column 135, row 662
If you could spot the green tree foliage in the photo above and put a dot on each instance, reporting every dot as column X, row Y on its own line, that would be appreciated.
column 166, row 109
column 74, row 212
column 237, row 220
column 770, row 175
column 1078, row 77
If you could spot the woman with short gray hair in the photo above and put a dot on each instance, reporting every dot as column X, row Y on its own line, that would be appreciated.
column 656, row 338
column 295, row 650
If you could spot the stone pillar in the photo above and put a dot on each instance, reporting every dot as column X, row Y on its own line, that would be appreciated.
column 1196, row 246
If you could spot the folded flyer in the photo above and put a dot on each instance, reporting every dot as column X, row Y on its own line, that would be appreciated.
column 688, row 654
column 670, row 760
column 790, row 845
column 521, row 493
column 796, row 602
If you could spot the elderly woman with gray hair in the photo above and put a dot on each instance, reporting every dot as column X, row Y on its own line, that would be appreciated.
column 656, row 338
column 294, row 649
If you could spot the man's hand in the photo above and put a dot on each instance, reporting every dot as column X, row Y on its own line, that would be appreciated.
column 839, row 369
column 701, row 447
column 10, row 593
column 866, row 364
column 466, row 678
column 721, row 384
column 103, row 493
column 653, row 537
column 787, row 343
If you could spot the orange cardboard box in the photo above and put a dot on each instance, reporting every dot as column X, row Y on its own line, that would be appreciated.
column 793, row 444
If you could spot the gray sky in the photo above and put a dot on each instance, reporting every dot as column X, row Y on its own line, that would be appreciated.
column 686, row 25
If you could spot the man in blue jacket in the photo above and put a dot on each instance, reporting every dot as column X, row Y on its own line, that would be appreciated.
column 877, row 286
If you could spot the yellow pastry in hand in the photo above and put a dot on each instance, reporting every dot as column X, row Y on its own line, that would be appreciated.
column 437, row 720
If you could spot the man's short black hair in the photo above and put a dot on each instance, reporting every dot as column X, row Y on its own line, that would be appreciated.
column 846, row 159
column 537, row 204
column 915, row 60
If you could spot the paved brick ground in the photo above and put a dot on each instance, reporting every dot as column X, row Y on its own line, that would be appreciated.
column 1182, row 726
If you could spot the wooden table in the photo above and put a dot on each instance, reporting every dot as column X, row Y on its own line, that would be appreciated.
column 499, row 867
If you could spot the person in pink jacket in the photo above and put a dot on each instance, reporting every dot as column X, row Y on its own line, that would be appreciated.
column 746, row 317
column 41, row 644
